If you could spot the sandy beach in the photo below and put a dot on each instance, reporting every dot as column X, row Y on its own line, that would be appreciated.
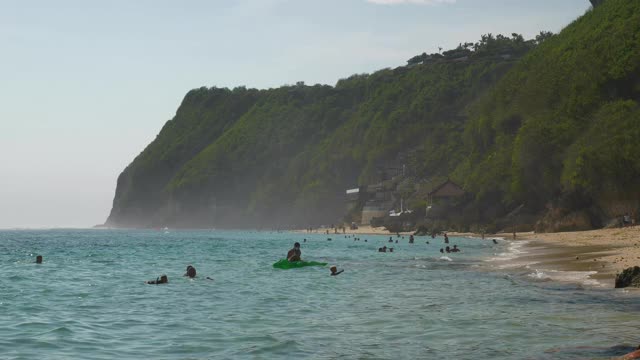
column 608, row 251
column 604, row 253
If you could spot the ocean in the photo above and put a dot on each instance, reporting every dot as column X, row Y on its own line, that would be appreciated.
column 89, row 300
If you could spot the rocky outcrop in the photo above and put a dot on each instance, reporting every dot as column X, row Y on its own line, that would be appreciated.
column 629, row 277
column 596, row 2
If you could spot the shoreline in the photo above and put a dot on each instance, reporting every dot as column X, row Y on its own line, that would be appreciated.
column 592, row 257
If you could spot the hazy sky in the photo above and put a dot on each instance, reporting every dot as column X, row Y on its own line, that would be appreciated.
column 86, row 85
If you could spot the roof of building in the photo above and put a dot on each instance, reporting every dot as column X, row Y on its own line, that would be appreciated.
column 454, row 189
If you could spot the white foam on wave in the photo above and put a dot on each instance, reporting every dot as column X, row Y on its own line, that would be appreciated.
column 581, row 277
column 514, row 250
column 445, row 258
column 517, row 264
column 509, row 259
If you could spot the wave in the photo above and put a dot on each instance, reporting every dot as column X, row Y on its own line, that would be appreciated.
column 514, row 250
column 581, row 277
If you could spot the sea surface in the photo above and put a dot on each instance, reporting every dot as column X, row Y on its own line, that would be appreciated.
column 89, row 300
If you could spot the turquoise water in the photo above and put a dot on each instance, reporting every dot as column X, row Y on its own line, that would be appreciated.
column 88, row 300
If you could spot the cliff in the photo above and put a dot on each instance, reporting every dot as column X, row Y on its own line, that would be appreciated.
column 550, row 123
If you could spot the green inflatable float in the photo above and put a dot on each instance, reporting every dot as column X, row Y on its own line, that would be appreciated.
column 286, row 264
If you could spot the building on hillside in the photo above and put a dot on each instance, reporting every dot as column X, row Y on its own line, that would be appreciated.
column 445, row 192
column 372, row 210
column 355, row 194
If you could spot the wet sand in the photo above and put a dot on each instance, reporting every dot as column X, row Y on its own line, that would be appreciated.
column 605, row 251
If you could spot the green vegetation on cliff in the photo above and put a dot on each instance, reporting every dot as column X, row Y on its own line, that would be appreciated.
column 551, row 120
column 563, row 123
column 286, row 155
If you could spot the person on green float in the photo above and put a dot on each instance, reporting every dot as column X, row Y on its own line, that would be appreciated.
column 295, row 253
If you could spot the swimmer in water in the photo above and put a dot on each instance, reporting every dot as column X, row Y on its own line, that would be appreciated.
column 447, row 249
column 39, row 259
column 441, row 251
column 455, row 249
column 335, row 272
column 383, row 249
column 161, row 280
column 494, row 241
column 191, row 272
column 295, row 253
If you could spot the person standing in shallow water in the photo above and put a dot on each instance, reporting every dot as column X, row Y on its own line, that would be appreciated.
column 39, row 259
column 295, row 253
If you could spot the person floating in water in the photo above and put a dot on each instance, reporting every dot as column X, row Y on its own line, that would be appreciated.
column 39, row 259
column 383, row 249
column 447, row 249
column 390, row 239
column 191, row 272
column 441, row 251
column 335, row 272
column 455, row 249
column 161, row 280
column 295, row 253
column 494, row 241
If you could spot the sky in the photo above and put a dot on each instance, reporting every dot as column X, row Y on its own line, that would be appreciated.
column 86, row 85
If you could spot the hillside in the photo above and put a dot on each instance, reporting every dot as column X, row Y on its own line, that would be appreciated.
column 283, row 157
column 559, row 132
column 548, row 124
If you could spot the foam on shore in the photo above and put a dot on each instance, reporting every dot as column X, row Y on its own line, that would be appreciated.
column 581, row 277
column 537, row 263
